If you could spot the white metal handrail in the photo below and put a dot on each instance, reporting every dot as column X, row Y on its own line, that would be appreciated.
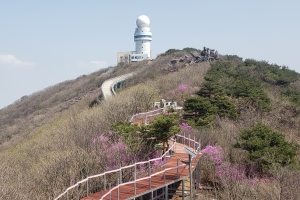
column 184, row 138
column 112, row 171
column 140, row 179
column 146, row 114
column 160, row 172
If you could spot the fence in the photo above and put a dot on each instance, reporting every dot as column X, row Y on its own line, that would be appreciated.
column 146, row 115
column 185, row 140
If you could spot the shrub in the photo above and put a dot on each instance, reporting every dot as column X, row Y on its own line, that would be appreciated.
column 164, row 127
column 292, row 94
column 267, row 148
column 272, row 73
column 224, row 79
column 201, row 111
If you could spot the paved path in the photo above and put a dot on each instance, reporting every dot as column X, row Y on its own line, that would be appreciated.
column 107, row 87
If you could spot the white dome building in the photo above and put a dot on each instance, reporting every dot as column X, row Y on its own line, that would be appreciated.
column 142, row 38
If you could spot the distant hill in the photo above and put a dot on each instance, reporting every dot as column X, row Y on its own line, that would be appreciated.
column 45, row 138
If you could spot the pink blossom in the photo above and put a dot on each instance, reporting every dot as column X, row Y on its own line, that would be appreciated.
column 185, row 126
column 230, row 172
column 213, row 153
column 182, row 87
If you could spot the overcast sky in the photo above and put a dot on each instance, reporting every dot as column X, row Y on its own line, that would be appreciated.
column 46, row 42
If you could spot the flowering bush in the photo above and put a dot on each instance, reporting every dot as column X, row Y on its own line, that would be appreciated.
column 182, row 87
column 214, row 153
column 215, row 168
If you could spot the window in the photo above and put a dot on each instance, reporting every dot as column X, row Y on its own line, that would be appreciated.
column 142, row 36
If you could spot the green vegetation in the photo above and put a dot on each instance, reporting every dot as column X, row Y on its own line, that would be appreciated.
column 244, row 83
column 272, row 73
column 164, row 127
column 133, row 136
column 292, row 94
column 172, row 51
column 267, row 148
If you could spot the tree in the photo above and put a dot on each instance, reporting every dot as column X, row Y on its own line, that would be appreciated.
column 164, row 127
column 267, row 148
column 135, row 137
column 200, row 110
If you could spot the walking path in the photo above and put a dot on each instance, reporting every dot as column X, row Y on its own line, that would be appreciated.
column 107, row 87
column 174, row 171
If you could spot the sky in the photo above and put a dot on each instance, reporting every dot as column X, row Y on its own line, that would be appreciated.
column 43, row 43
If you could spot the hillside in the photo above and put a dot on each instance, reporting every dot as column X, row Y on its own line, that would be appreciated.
column 45, row 138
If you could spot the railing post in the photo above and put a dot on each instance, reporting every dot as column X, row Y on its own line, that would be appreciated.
column 149, row 168
column 177, row 169
column 184, row 138
column 182, row 192
column 174, row 148
column 104, row 181
column 118, row 189
column 120, row 174
column 165, row 169
column 194, row 142
column 189, row 140
column 149, row 172
column 87, row 187
column 135, row 179
column 166, row 193
column 109, row 191
column 77, row 193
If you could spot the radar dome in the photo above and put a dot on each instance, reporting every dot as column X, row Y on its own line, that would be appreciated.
column 143, row 21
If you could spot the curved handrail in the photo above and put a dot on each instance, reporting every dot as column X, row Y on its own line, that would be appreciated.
column 138, row 163
column 164, row 171
column 160, row 172
column 107, row 87
column 115, row 170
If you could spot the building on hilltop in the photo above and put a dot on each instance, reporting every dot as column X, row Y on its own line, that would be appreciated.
column 124, row 57
column 142, row 39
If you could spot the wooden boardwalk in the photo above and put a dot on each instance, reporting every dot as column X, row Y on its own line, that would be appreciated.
column 160, row 179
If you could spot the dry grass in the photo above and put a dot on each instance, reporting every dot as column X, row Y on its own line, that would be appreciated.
column 46, row 142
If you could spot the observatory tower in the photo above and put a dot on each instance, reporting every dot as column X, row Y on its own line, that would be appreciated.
column 142, row 39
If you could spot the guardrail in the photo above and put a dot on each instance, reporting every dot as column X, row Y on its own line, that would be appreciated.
column 145, row 115
column 107, row 87
column 120, row 79
column 186, row 140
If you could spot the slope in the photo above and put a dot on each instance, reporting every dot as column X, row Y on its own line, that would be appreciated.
column 52, row 153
